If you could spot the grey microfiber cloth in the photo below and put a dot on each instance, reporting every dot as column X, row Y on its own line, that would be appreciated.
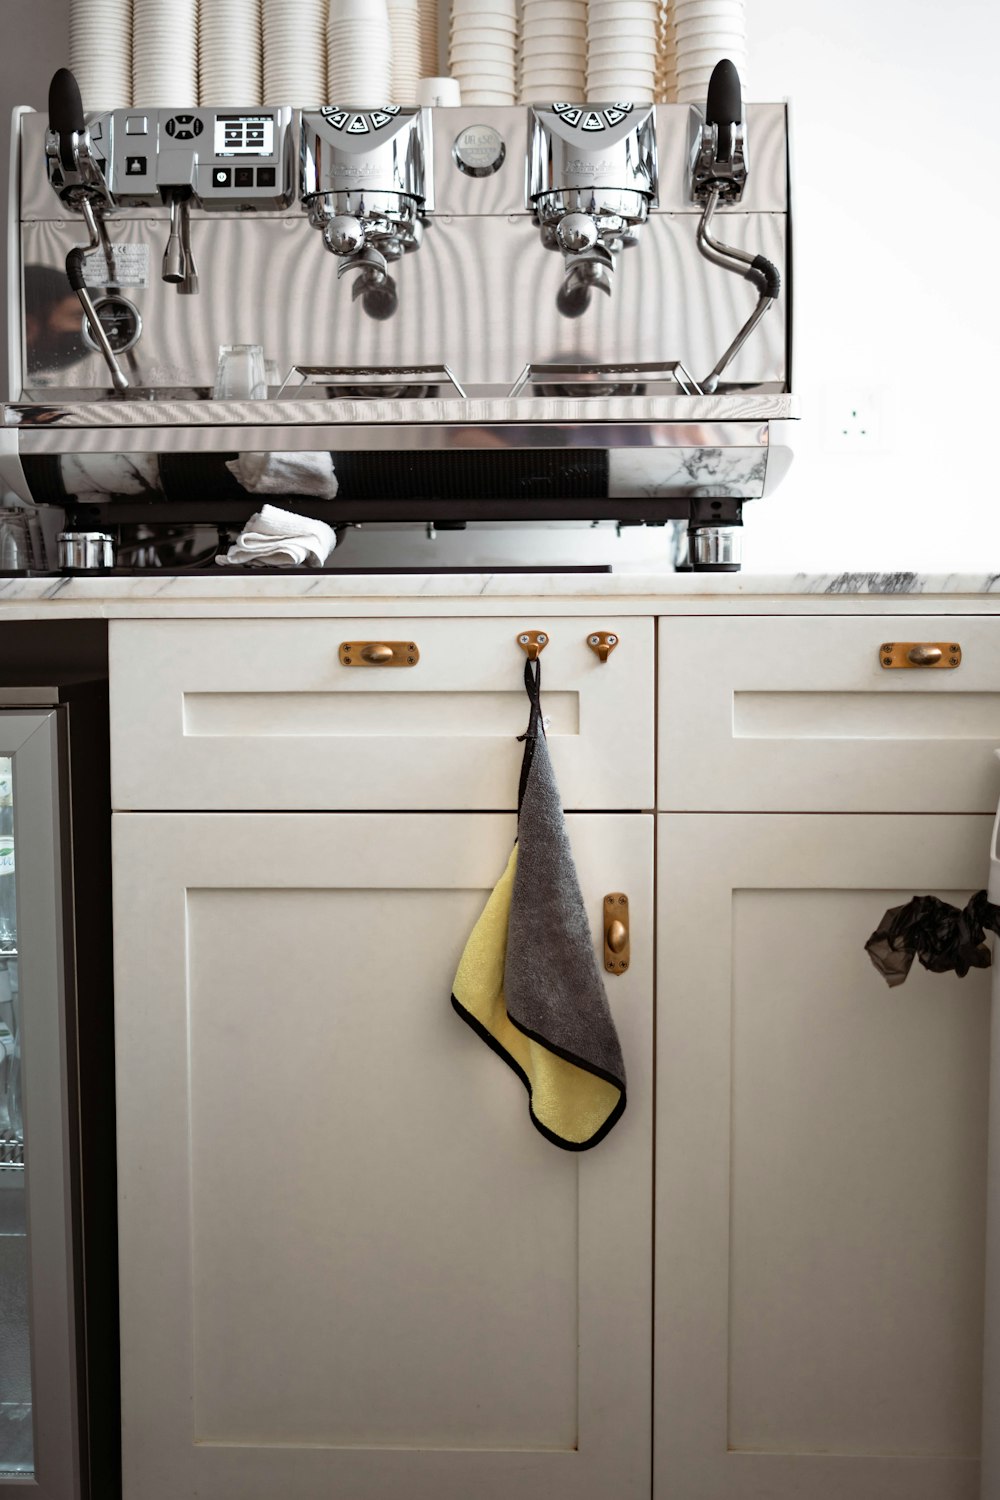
column 529, row 983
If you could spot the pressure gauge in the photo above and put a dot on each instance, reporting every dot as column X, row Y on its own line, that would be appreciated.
column 121, row 322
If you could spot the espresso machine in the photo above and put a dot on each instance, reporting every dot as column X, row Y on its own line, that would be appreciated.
column 554, row 313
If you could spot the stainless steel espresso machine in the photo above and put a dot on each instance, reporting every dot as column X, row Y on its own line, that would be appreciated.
column 563, row 312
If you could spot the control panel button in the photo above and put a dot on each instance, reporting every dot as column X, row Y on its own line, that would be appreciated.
column 136, row 125
column 135, row 166
column 222, row 177
column 266, row 177
column 184, row 127
column 243, row 177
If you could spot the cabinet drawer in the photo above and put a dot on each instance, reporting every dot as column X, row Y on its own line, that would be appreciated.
column 248, row 714
column 798, row 714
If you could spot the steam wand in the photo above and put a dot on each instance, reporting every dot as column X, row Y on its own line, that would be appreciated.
column 719, row 175
column 84, row 187
column 76, row 276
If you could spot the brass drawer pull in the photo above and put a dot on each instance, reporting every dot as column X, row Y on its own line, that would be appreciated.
column 617, row 938
column 379, row 653
column 941, row 654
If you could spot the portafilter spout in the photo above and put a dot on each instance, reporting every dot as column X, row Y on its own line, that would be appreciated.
column 718, row 176
column 592, row 178
column 78, row 179
column 366, row 186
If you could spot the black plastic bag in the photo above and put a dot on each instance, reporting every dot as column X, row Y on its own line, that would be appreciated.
column 942, row 936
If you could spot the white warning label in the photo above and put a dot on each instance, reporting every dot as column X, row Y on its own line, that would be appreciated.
column 131, row 267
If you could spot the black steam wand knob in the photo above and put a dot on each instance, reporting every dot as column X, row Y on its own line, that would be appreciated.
column 66, row 117
column 724, row 106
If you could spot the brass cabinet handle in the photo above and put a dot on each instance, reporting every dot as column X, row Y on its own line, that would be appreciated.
column 617, row 937
column 379, row 653
column 944, row 655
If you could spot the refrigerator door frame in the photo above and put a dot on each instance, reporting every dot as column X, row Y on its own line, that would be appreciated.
column 35, row 739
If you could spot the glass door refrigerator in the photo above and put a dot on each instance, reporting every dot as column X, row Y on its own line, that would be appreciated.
column 47, row 1348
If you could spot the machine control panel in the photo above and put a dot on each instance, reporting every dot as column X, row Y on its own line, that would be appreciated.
column 226, row 158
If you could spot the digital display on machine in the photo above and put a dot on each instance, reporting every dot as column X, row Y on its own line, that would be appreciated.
column 244, row 135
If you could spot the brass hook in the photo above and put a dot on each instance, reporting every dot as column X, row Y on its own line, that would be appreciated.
column 602, row 643
column 532, row 643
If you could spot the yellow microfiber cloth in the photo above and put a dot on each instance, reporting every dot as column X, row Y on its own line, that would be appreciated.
column 528, row 982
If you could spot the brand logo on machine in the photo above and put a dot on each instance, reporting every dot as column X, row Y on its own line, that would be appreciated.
column 582, row 166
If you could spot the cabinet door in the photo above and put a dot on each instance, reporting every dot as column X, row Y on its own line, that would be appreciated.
column 350, row 1265
column 790, row 714
column 234, row 715
column 820, row 1165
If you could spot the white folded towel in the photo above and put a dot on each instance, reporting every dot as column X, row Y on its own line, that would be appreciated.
column 286, row 474
column 282, row 539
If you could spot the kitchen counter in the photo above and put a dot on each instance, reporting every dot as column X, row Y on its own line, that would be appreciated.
column 228, row 592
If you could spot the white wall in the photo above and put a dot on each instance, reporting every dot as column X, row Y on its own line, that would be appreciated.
column 896, row 304
column 896, row 230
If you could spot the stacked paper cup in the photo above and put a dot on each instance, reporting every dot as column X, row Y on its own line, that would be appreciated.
column 404, row 24
column 553, row 51
column 622, row 50
column 294, row 52
column 100, row 52
column 359, row 52
column 707, row 30
column 229, row 52
column 483, row 50
column 165, row 53
column 429, row 62
column 666, row 61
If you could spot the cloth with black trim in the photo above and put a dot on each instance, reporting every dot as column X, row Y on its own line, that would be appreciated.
column 529, row 983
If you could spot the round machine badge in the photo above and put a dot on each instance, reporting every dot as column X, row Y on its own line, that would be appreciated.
column 479, row 151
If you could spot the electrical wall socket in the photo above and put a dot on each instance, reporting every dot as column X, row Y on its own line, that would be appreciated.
column 854, row 421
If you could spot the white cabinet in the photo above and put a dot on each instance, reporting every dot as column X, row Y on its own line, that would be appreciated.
column 349, row 1264
column 820, row 1165
column 248, row 714
column 792, row 714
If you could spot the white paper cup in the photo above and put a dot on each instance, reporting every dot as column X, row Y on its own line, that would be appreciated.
column 494, row 8
column 705, row 57
column 560, row 86
column 560, row 10
column 483, row 52
column 693, row 10
column 554, row 31
column 439, row 91
column 702, row 42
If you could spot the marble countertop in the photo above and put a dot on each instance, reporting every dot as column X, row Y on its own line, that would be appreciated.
column 632, row 592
